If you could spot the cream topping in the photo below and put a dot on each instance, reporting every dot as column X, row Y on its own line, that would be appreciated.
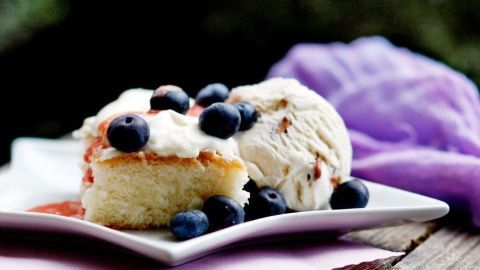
column 174, row 134
column 133, row 100
column 171, row 133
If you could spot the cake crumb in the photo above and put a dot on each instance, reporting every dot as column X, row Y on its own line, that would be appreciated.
column 335, row 180
column 282, row 103
column 317, row 168
column 283, row 125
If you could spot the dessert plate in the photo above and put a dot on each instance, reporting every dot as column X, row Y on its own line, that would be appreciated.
column 46, row 171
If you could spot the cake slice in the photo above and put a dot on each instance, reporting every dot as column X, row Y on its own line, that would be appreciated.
column 177, row 169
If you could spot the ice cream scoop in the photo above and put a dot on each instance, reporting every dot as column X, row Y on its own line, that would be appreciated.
column 299, row 144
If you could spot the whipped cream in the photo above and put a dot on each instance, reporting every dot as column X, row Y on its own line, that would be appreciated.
column 171, row 133
column 298, row 144
column 174, row 134
column 133, row 100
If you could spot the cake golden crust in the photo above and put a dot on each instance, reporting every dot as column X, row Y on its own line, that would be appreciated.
column 151, row 158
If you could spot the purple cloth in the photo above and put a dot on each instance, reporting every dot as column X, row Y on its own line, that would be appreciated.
column 414, row 122
column 57, row 254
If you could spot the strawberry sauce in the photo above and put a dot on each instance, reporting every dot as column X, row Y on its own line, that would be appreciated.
column 71, row 209
column 196, row 110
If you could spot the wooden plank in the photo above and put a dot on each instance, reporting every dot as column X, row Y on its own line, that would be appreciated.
column 382, row 264
column 448, row 248
column 399, row 238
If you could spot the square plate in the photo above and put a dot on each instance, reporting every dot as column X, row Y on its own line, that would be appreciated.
column 45, row 171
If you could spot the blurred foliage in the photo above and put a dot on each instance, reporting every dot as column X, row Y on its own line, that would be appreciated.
column 59, row 48
column 443, row 29
column 19, row 19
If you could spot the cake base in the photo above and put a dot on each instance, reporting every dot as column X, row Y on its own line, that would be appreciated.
column 144, row 190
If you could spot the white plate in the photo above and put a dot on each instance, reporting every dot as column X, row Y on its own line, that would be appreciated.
column 46, row 171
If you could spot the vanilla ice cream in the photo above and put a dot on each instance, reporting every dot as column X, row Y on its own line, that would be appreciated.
column 299, row 145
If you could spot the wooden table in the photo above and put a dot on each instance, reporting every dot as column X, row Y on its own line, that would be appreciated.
column 441, row 245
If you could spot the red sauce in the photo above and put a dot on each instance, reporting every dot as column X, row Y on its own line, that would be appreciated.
column 196, row 110
column 97, row 143
column 88, row 176
column 72, row 209
column 152, row 112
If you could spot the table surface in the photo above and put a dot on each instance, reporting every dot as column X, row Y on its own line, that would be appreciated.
column 433, row 245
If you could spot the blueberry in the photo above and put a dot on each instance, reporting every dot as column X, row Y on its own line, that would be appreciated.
column 212, row 93
column 189, row 224
column 266, row 202
column 223, row 211
column 250, row 186
column 170, row 97
column 248, row 114
column 351, row 194
column 221, row 120
column 128, row 133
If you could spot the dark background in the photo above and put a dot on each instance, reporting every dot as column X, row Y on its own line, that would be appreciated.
column 61, row 61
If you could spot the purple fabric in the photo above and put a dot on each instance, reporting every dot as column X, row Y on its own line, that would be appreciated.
column 414, row 122
column 58, row 254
